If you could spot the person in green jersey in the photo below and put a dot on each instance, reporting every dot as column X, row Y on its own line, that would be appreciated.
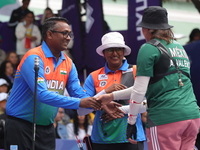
column 163, row 76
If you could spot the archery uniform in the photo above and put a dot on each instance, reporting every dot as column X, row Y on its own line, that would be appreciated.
column 113, row 133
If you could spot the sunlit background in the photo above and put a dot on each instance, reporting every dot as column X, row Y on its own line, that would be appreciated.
column 182, row 15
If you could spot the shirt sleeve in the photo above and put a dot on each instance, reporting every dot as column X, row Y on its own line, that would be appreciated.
column 90, row 90
column 73, row 85
column 89, row 86
column 43, row 94
column 137, row 96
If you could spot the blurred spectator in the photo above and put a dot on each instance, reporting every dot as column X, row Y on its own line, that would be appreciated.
column 48, row 13
column 7, row 73
column 19, row 13
column 66, row 119
column 60, row 129
column 2, row 55
column 80, row 127
column 193, row 53
column 13, row 58
column 3, row 99
column 28, row 35
column 194, row 35
column 2, row 52
column 3, row 86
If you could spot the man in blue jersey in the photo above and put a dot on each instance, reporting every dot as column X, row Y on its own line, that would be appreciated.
column 56, row 72
column 117, row 74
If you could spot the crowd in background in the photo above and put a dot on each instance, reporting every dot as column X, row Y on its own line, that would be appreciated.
column 68, row 124
column 27, row 34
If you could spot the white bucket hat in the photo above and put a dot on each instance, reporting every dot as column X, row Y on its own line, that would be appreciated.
column 113, row 39
column 3, row 96
column 3, row 82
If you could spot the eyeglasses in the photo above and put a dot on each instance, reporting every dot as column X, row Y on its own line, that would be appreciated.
column 119, row 50
column 64, row 33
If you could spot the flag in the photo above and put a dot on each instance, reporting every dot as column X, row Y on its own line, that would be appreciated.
column 40, row 80
column 63, row 71
column 7, row 6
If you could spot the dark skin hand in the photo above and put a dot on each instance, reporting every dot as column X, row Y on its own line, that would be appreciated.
column 90, row 102
column 115, row 87
column 131, row 131
column 112, row 112
column 107, row 98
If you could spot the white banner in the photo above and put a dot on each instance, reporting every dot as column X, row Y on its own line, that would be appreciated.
column 7, row 6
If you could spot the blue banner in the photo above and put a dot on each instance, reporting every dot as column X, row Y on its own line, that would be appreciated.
column 88, row 35
column 94, row 32
column 71, row 11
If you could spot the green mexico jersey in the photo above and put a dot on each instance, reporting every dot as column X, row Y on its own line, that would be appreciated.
column 167, row 101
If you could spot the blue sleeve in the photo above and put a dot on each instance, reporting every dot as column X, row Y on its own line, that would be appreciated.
column 73, row 84
column 43, row 94
column 89, row 86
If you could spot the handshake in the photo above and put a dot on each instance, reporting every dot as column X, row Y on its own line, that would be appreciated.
column 103, row 102
column 96, row 102
column 111, row 111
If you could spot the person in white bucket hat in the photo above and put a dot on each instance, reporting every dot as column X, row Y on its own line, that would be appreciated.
column 3, row 85
column 113, row 39
column 117, row 74
column 3, row 99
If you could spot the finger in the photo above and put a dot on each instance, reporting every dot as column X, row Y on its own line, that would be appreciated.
column 104, row 119
column 108, row 118
column 132, row 141
column 119, row 115
column 116, row 104
column 96, row 105
column 120, row 111
column 121, row 86
column 117, row 110
column 118, row 88
column 113, row 116
column 99, row 98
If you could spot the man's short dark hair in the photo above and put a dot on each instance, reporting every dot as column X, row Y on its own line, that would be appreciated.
column 49, row 24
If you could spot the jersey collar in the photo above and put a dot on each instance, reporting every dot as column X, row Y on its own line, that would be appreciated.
column 124, row 67
column 48, row 52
